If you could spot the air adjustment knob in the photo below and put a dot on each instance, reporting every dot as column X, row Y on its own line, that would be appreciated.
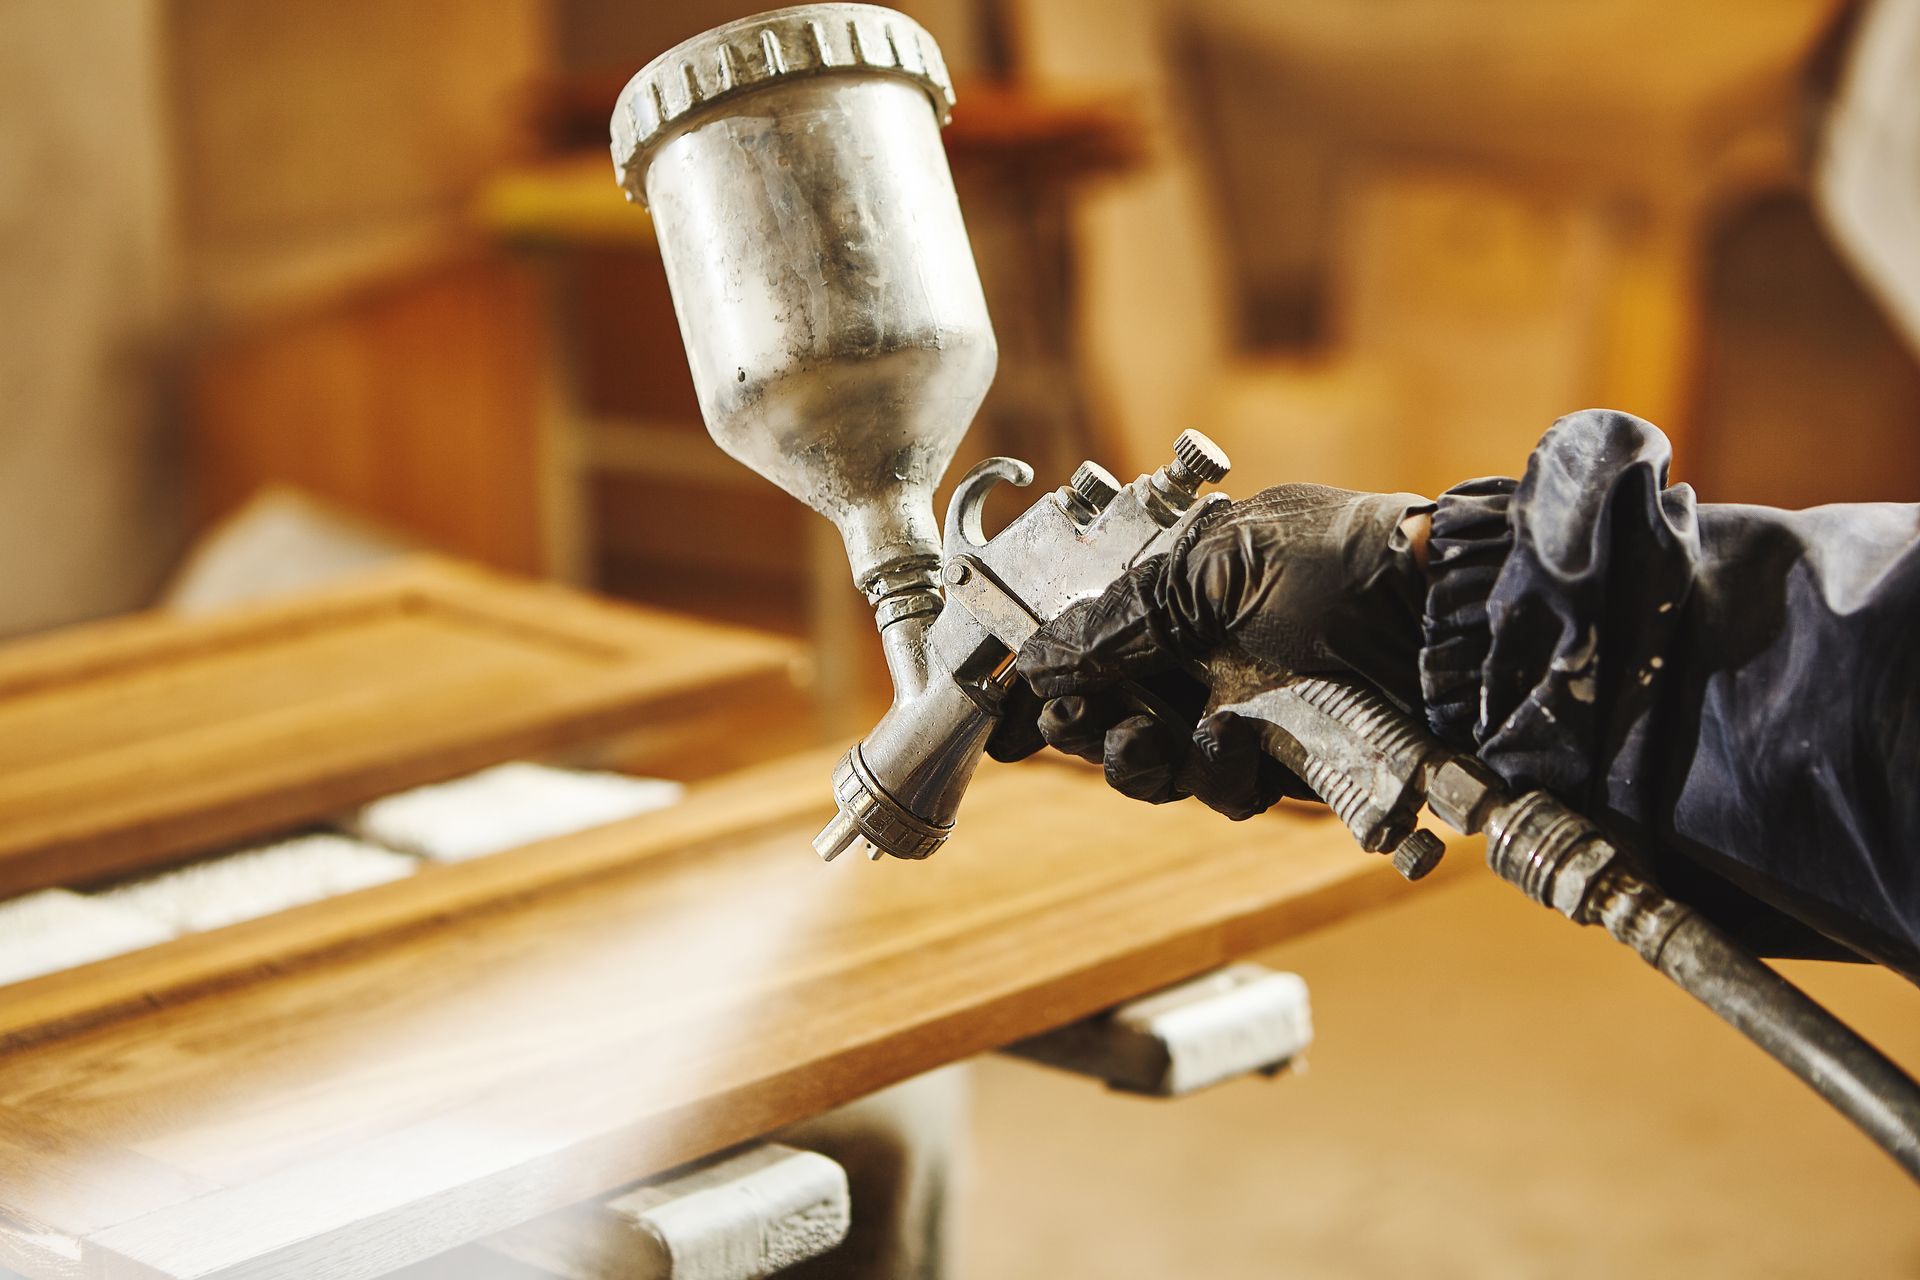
column 1094, row 485
column 1200, row 459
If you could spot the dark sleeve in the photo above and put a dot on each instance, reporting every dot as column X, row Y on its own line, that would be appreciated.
column 1735, row 688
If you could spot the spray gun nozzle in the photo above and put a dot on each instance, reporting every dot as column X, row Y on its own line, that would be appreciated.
column 898, row 788
column 835, row 838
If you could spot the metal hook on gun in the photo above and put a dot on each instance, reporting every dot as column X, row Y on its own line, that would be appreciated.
column 964, row 531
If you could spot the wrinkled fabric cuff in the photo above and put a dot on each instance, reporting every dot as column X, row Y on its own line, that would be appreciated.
column 1469, row 544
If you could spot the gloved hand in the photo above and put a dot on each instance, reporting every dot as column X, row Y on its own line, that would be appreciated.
column 1301, row 579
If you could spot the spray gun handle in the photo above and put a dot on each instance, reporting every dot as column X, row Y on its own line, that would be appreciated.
column 1368, row 760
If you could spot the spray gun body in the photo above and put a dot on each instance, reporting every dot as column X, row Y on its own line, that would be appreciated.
column 899, row 788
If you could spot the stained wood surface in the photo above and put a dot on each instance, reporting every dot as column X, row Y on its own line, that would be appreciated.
column 131, row 742
column 689, row 979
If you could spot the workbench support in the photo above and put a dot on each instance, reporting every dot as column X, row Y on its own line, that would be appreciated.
column 740, row 1216
column 1231, row 1022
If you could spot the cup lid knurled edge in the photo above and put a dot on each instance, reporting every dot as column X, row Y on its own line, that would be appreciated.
column 805, row 40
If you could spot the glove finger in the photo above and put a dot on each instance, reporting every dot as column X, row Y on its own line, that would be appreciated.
column 1017, row 736
column 1077, row 723
column 1229, row 737
column 1231, row 773
column 1118, row 634
column 1143, row 759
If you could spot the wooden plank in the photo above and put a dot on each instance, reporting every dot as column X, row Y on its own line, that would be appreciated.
column 203, row 963
column 132, row 742
column 506, row 1061
column 53, row 1184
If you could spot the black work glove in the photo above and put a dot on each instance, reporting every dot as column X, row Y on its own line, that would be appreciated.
column 1302, row 579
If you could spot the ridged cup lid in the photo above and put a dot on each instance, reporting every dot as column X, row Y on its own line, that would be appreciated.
column 806, row 40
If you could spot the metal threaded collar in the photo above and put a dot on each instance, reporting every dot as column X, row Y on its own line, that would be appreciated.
column 806, row 40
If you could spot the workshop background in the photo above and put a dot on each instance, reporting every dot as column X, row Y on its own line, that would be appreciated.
column 359, row 267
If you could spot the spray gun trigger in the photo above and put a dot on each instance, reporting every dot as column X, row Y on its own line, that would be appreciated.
column 1000, row 613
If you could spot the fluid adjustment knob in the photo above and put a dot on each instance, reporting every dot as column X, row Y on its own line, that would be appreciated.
column 1198, row 460
column 1418, row 854
column 1094, row 486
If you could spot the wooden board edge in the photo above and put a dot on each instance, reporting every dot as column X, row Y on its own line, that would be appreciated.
column 93, row 649
column 726, row 808
column 40, row 1234
column 192, row 821
column 535, row 605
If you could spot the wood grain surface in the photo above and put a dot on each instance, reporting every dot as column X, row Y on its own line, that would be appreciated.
column 132, row 742
column 659, row 997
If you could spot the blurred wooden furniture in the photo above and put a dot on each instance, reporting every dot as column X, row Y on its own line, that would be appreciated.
column 1394, row 243
column 133, row 742
column 413, row 396
column 523, row 1032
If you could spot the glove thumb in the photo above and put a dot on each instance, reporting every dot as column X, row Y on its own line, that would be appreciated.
column 1121, row 634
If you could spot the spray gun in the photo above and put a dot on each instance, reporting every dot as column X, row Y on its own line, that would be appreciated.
column 839, row 343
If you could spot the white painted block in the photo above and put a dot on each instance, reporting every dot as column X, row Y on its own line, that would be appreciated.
column 1231, row 1022
column 1241, row 1019
column 57, row 929
column 741, row 1217
column 504, row 807
column 257, row 882
column 748, row 1216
